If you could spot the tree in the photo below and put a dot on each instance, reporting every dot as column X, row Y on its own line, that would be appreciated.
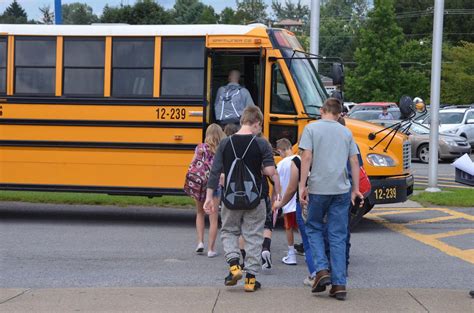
column 208, row 15
column 78, row 13
column 193, row 12
column 14, row 14
column 227, row 16
column 142, row 12
column 416, row 19
column 458, row 74
column 251, row 11
column 48, row 15
column 289, row 10
column 415, row 75
column 378, row 72
column 340, row 24
column 149, row 12
column 120, row 14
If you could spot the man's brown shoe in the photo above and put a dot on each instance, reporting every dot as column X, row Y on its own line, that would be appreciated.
column 321, row 281
column 338, row 291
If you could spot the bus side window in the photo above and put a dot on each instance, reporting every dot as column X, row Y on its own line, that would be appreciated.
column 84, row 66
column 280, row 99
column 35, row 65
column 132, row 67
column 3, row 64
column 182, row 67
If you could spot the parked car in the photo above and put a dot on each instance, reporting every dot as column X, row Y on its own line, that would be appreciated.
column 349, row 105
column 450, row 146
column 365, row 106
column 456, row 120
column 373, row 113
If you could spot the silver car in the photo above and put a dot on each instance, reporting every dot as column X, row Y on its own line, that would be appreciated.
column 450, row 146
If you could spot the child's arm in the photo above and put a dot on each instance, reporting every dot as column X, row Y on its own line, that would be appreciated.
column 306, row 160
column 290, row 189
column 355, row 168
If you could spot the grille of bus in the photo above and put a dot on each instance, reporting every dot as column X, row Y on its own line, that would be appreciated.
column 406, row 155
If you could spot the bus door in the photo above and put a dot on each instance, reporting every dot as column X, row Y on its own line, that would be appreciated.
column 251, row 66
column 280, row 106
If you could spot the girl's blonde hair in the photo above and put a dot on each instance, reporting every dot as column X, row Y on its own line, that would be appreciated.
column 214, row 135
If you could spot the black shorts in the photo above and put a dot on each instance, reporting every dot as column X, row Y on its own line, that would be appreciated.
column 269, row 215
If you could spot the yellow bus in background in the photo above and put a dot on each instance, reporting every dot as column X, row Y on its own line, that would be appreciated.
column 119, row 109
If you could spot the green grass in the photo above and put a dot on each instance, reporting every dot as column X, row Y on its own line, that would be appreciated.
column 447, row 197
column 94, row 199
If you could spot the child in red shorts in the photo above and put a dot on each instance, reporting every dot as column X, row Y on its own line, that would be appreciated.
column 284, row 148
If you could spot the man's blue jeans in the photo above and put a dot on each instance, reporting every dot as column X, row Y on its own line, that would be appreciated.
column 307, row 249
column 336, row 208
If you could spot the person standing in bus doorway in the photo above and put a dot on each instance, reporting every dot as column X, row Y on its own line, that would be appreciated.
column 231, row 100
column 196, row 183
column 327, row 145
column 243, row 158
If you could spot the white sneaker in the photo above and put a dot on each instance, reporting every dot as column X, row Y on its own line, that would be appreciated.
column 266, row 260
column 309, row 281
column 200, row 248
column 289, row 259
column 212, row 254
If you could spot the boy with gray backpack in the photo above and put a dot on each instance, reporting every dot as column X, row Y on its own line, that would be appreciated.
column 231, row 100
column 243, row 158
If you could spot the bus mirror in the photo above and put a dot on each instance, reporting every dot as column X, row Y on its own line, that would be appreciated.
column 407, row 108
column 337, row 74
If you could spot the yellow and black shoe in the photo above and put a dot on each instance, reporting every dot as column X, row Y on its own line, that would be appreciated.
column 251, row 284
column 235, row 274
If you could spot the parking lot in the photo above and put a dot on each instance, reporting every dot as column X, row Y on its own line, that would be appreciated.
column 58, row 246
column 446, row 174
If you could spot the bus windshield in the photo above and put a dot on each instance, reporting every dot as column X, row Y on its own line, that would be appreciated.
column 307, row 81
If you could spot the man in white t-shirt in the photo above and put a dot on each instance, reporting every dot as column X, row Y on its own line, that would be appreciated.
column 284, row 148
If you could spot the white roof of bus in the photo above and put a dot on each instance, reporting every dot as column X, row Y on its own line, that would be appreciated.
column 127, row 30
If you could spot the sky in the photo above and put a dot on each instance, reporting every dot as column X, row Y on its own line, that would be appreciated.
column 32, row 6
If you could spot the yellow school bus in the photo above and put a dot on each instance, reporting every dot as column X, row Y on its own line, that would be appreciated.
column 119, row 109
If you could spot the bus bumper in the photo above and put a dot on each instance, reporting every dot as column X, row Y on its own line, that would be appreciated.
column 390, row 189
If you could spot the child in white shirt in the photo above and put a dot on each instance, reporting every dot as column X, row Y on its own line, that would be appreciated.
column 284, row 148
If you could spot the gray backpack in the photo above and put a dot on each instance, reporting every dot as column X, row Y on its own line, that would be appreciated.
column 241, row 190
column 230, row 104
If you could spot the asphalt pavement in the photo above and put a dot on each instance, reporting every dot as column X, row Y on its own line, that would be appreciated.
column 70, row 246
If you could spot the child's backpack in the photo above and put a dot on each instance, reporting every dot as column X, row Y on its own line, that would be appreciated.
column 241, row 190
column 195, row 184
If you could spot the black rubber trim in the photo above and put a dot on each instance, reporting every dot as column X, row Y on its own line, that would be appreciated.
column 103, row 101
column 112, row 190
column 404, row 185
column 96, row 145
column 45, row 122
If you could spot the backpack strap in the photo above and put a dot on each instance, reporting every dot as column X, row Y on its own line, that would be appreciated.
column 246, row 149
column 237, row 158
column 250, row 143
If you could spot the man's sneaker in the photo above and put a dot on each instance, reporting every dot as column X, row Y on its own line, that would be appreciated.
column 266, row 260
column 235, row 274
column 200, row 248
column 299, row 248
column 289, row 259
column 309, row 281
column 251, row 284
column 321, row 280
column 338, row 291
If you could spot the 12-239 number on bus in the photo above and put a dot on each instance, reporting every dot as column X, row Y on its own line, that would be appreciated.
column 170, row 114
